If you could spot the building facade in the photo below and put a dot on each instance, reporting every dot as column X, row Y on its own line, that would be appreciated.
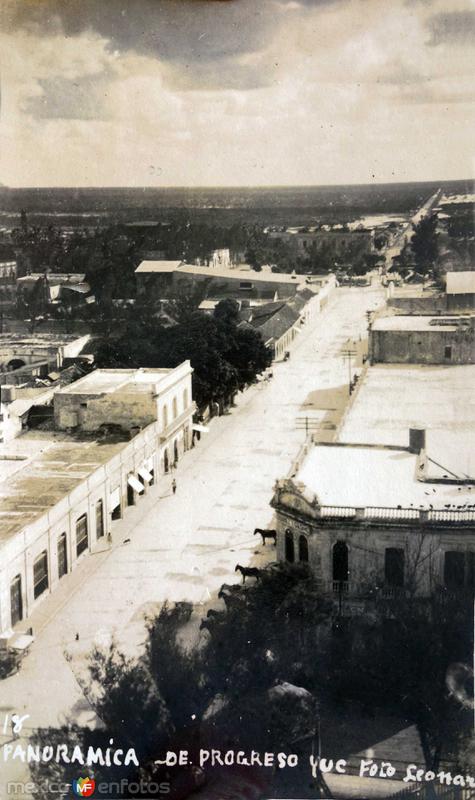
column 376, row 521
column 422, row 340
column 57, row 503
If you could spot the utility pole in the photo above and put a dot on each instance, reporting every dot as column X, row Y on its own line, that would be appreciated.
column 348, row 355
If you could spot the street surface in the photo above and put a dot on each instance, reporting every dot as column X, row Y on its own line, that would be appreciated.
column 405, row 235
column 184, row 547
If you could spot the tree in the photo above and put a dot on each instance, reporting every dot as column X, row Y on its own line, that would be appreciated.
column 424, row 243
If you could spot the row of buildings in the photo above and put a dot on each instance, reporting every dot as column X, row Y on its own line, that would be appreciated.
column 112, row 435
column 77, row 455
column 275, row 304
column 387, row 510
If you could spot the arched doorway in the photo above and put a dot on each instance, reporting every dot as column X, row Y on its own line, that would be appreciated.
column 289, row 546
column 175, row 452
column 303, row 549
column 166, row 463
column 15, row 363
column 340, row 562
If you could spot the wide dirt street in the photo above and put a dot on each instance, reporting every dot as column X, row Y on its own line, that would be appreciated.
column 184, row 547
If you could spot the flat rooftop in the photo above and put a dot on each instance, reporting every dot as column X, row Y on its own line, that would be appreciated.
column 158, row 266
column 391, row 398
column 106, row 381
column 36, row 339
column 412, row 322
column 218, row 272
column 38, row 470
column 358, row 476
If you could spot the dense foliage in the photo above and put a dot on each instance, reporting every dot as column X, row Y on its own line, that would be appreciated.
column 224, row 356
column 275, row 667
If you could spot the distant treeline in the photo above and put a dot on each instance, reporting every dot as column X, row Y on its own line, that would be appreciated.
column 226, row 206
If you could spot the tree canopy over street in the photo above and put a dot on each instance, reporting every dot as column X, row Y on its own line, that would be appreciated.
column 224, row 356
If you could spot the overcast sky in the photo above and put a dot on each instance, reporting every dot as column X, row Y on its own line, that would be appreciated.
column 236, row 92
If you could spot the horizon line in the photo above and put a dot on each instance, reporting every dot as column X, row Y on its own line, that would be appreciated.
column 234, row 186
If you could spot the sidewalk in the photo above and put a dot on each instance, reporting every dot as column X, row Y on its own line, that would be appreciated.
column 184, row 546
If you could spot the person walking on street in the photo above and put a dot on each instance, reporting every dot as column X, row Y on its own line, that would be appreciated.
column 174, row 486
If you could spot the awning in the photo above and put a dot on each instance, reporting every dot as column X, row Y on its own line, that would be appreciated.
column 22, row 642
column 115, row 499
column 135, row 484
column 145, row 474
column 148, row 464
column 200, row 428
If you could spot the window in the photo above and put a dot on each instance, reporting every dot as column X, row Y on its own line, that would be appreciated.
column 340, row 562
column 99, row 519
column 40, row 574
column 448, row 352
column 185, row 399
column 62, row 556
column 82, row 542
column 16, row 601
column 303, row 548
column 165, row 417
column 115, row 504
column 245, row 284
column 394, row 566
column 459, row 570
column 289, row 546
column 175, row 408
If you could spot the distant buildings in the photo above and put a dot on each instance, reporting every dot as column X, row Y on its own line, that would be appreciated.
column 458, row 297
column 57, row 287
column 23, row 355
column 460, row 290
column 116, row 433
column 412, row 339
column 8, row 272
column 343, row 242
column 155, row 277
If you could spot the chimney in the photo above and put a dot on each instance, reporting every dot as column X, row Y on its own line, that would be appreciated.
column 417, row 440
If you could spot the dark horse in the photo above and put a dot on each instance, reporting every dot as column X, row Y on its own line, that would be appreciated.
column 266, row 534
column 248, row 572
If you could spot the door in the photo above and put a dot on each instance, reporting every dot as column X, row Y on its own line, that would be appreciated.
column 62, row 556
column 16, row 601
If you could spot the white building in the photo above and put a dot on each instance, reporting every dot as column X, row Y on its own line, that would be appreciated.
column 117, row 432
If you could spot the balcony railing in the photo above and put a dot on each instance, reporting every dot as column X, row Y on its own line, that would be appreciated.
column 433, row 516
column 341, row 587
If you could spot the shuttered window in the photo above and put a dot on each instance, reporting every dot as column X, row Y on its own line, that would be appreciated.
column 16, row 601
column 82, row 542
column 99, row 519
column 40, row 574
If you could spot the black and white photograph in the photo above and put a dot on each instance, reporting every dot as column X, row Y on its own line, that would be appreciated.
column 237, row 399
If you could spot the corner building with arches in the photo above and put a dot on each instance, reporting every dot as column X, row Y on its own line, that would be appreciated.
column 378, row 521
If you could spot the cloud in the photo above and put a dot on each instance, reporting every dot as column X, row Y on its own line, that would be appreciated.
column 71, row 98
column 230, row 92
column 452, row 27
column 184, row 33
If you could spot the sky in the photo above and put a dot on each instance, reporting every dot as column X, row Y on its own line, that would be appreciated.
column 236, row 92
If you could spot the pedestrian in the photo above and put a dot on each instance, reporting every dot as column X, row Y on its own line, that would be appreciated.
column 174, row 486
